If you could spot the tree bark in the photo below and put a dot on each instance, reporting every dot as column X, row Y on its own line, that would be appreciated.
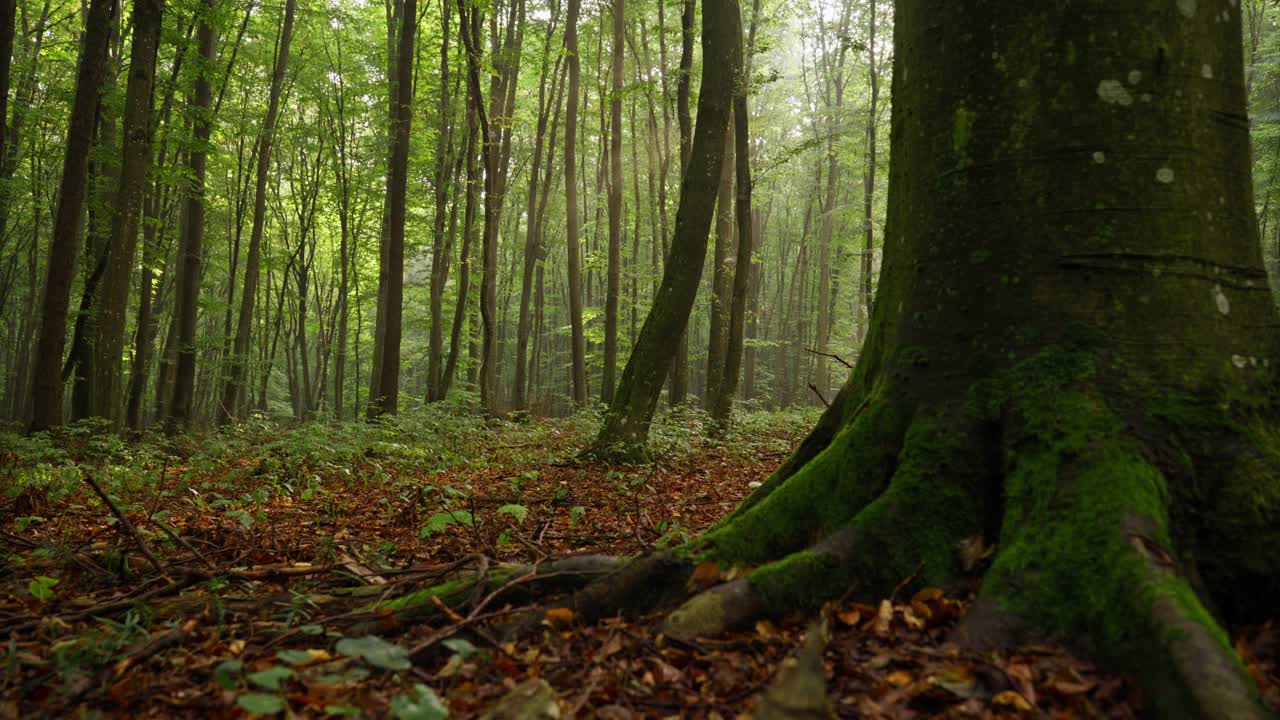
column 387, row 400
column 615, row 205
column 233, row 394
column 721, row 276
column 65, row 244
column 134, row 166
column 439, row 243
column 191, row 250
column 678, row 383
column 1080, row 390
column 627, row 422
column 578, row 343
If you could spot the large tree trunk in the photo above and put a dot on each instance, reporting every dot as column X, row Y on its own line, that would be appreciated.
column 135, row 162
column 233, row 393
column 1071, row 358
column 439, row 244
column 626, row 425
column 65, row 245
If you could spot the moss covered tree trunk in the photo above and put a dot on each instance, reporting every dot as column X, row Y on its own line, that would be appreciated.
column 1072, row 357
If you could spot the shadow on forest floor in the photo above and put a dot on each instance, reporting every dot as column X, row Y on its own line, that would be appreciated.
column 268, row 547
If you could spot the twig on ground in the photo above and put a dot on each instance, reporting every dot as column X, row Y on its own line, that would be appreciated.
column 128, row 526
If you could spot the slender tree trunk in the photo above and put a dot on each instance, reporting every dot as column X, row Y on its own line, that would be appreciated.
column 721, row 277
column 615, row 205
column 464, row 258
column 439, row 259
column 134, row 166
column 722, row 408
column 627, row 422
column 869, row 172
column 578, row 346
column 233, row 394
column 65, row 245
column 191, row 252
column 547, row 106
column 388, row 390
column 678, row 387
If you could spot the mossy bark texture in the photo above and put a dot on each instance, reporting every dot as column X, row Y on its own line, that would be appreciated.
column 1073, row 354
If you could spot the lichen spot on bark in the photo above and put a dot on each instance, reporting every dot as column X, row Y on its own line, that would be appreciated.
column 1206, row 71
column 1135, row 77
column 1220, row 299
column 1112, row 92
column 1187, row 8
column 1239, row 361
column 1164, row 175
column 1099, row 157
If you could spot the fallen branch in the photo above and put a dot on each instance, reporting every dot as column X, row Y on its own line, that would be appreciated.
column 128, row 526
column 818, row 392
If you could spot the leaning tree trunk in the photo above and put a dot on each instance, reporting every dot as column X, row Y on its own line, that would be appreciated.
column 1073, row 356
column 626, row 425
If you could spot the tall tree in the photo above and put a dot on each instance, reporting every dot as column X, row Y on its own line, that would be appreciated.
column 626, row 425
column 615, row 203
column 1088, row 391
column 135, row 163
column 678, row 387
column 64, row 247
column 385, row 397
column 439, row 240
column 233, row 391
column 191, row 250
column 578, row 342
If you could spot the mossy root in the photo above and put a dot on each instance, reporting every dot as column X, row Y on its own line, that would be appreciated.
column 910, row 531
column 1087, row 555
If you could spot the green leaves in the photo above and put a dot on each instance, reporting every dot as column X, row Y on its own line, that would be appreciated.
column 421, row 703
column 442, row 520
column 376, row 651
column 261, row 703
column 519, row 512
column 271, row 678
column 226, row 672
column 42, row 588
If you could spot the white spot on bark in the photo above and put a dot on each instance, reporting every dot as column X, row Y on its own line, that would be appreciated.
column 1206, row 71
column 754, row 484
column 1135, row 77
column 1220, row 299
column 1113, row 93
column 1099, row 157
column 1164, row 175
column 1239, row 361
column 1187, row 7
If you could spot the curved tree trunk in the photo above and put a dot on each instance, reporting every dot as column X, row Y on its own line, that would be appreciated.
column 626, row 425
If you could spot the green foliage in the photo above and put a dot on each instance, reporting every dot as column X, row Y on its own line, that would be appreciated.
column 375, row 651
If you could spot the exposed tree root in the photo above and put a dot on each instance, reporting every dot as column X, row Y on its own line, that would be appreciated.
column 1112, row 520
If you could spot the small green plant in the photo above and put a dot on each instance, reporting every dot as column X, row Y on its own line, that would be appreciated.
column 42, row 588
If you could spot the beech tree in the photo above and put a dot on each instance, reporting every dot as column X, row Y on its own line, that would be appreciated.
column 1071, row 358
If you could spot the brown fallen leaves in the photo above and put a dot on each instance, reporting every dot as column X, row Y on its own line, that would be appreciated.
column 299, row 570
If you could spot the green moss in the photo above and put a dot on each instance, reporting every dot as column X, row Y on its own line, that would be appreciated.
column 850, row 473
column 801, row 581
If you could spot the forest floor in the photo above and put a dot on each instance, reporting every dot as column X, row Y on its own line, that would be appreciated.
column 271, row 551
